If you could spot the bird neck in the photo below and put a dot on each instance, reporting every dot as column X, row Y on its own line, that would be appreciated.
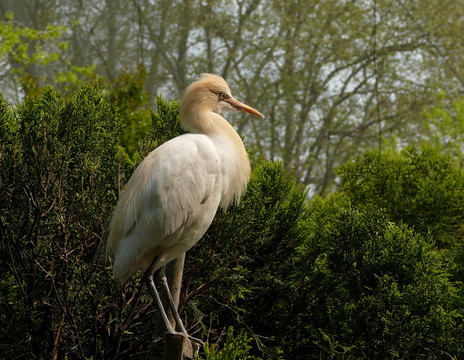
column 235, row 162
column 197, row 120
column 212, row 125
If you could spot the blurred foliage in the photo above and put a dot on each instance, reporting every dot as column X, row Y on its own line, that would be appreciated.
column 373, row 271
column 333, row 78
column 23, row 48
column 26, row 47
column 127, row 93
column 445, row 127
column 23, row 44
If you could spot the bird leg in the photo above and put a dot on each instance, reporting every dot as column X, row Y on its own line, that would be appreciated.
column 151, row 285
column 172, row 305
column 149, row 279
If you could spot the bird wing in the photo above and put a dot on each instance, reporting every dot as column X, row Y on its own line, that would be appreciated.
column 165, row 190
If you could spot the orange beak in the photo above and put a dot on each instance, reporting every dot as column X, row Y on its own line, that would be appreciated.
column 237, row 105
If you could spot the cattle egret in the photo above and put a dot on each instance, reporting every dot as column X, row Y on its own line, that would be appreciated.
column 173, row 195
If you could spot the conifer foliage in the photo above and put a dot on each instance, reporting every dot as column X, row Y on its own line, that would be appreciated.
column 373, row 271
column 60, row 177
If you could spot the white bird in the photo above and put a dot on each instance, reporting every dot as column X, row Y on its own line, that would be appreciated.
column 173, row 195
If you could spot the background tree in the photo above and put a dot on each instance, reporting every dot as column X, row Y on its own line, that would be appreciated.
column 332, row 78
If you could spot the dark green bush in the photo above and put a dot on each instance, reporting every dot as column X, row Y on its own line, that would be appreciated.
column 419, row 188
column 61, row 172
column 235, row 347
column 241, row 272
column 357, row 275
column 374, row 290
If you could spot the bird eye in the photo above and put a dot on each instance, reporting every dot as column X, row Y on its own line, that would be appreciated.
column 222, row 96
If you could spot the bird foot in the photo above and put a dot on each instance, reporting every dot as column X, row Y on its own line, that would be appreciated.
column 175, row 342
column 191, row 338
column 199, row 343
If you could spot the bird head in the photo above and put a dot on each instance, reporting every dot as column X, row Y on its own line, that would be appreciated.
column 210, row 93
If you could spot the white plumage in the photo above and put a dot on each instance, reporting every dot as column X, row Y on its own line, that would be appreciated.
column 173, row 195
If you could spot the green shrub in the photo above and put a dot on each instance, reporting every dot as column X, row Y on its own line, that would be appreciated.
column 61, row 172
column 356, row 275
column 240, row 273
column 418, row 188
column 235, row 348
column 374, row 290
column 127, row 93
